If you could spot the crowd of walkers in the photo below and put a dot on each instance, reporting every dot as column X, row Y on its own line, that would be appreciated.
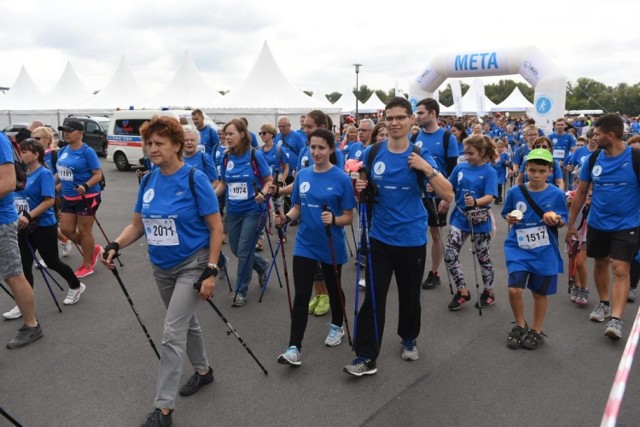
column 403, row 175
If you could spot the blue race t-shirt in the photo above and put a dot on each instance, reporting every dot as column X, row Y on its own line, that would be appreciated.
column 293, row 143
column 501, row 167
column 75, row 168
column 562, row 145
column 477, row 181
column 204, row 163
column 48, row 160
column 433, row 143
column 461, row 157
column 173, row 219
column 530, row 246
column 306, row 159
column 399, row 216
column 353, row 150
column 276, row 158
column 521, row 153
column 615, row 204
column 577, row 157
column 311, row 191
column 40, row 184
column 208, row 138
column 8, row 212
column 239, row 177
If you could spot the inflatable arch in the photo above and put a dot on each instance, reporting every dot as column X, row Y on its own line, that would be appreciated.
column 549, row 83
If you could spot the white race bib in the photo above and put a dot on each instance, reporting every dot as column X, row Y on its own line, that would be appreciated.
column 161, row 232
column 64, row 173
column 21, row 205
column 533, row 237
column 355, row 175
column 558, row 153
column 238, row 191
column 201, row 148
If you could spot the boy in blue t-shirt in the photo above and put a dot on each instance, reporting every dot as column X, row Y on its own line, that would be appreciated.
column 531, row 248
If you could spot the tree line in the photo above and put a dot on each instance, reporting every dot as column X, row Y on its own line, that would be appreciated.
column 583, row 94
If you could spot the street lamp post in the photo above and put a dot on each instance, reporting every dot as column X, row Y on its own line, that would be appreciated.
column 357, row 89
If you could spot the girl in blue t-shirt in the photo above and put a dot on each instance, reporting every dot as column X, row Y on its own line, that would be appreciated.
column 38, row 224
column 502, row 166
column 245, row 179
column 475, row 184
column 351, row 148
column 322, row 185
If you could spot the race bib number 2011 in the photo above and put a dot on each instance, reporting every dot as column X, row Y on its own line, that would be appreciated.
column 161, row 232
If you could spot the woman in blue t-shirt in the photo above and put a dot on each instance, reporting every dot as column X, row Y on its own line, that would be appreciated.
column 475, row 184
column 556, row 176
column 244, row 170
column 177, row 211
column 315, row 187
column 37, row 223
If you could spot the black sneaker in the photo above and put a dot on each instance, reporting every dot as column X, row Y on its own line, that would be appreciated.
column 459, row 300
column 432, row 281
column 26, row 335
column 157, row 419
column 533, row 340
column 195, row 382
column 361, row 366
column 486, row 299
column 517, row 335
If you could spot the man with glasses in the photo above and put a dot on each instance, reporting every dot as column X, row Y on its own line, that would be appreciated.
column 443, row 146
column 292, row 142
column 397, row 238
column 364, row 130
column 11, row 266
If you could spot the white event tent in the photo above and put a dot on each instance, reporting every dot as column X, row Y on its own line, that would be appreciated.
column 122, row 91
column 373, row 105
column 515, row 102
column 265, row 95
column 347, row 103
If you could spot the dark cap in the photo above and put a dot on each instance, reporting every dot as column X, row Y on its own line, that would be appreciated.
column 71, row 125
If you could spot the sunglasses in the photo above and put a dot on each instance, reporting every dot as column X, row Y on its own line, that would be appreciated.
column 262, row 133
column 545, row 146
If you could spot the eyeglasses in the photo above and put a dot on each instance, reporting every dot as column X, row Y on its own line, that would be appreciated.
column 579, row 145
column 391, row 119
column 284, row 126
column 364, row 130
column 262, row 133
column 530, row 134
column 545, row 146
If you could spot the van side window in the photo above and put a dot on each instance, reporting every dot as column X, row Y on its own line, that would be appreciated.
column 128, row 126
column 93, row 127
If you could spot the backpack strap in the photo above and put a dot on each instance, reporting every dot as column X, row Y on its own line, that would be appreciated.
column 592, row 159
column 445, row 142
column 635, row 159
column 537, row 209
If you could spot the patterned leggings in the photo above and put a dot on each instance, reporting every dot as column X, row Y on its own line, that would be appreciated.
column 455, row 240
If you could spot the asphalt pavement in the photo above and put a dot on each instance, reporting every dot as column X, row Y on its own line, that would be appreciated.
column 95, row 367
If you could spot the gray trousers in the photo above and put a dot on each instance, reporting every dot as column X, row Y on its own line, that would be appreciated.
column 182, row 334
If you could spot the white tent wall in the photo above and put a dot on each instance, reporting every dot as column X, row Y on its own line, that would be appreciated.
column 257, row 118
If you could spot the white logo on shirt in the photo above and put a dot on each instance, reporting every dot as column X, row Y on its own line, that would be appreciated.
column 148, row 195
column 418, row 144
column 230, row 165
column 358, row 153
column 379, row 168
column 597, row 170
column 304, row 187
column 460, row 175
column 521, row 206
column 64, row 156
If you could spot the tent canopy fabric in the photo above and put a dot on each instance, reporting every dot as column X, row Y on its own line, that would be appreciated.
column 514, row 102
column 23, row 94
column 347, row 102
column 122, row 91
column 68, row 93
column 187, row 88
column 373, row 104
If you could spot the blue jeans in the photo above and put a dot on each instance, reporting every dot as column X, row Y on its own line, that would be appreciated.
column 242, row 231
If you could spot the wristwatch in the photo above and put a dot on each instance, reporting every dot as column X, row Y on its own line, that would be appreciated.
column 214, row 267
column 434, row 173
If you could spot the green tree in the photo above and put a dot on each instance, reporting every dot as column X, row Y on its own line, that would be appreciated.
column 333, row 96
column 308, row 92
column 363, row 93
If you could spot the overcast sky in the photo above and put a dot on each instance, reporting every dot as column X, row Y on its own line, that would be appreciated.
column 314, row 42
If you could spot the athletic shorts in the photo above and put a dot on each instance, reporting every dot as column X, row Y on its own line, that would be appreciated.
column 440, row 220
column 541, row 285
column 80, row 207
column 620, row 245
column 11, row 266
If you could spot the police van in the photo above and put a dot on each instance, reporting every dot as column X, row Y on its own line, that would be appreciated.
column 124, row 140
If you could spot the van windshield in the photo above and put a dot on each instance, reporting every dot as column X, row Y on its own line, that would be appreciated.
column 128, row 126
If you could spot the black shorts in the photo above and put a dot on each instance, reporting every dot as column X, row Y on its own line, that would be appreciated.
column 437, row 220
column 620, row 245
column 81, row 207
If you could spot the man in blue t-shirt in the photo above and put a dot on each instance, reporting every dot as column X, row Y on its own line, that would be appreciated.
column 11, row 266
column 613, row 221
column 564, row 144
column 431, row 137
column 208, row 136
column 292, row 142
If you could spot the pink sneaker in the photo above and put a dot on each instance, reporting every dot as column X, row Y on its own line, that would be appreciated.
column 96, row 252
column 83, row 271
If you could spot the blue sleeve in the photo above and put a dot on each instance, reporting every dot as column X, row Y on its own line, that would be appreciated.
column 557, row 172
column 426, row 155
column 207, row 201
column 585, row 173
column 452, row 149
column 6, row 152
column 491, row 183
column 349, row 199
column 340, row 159
column 453, row 178
column 508, row 203
column 48, row 184
column 92, row 159
column 263, row 166
column 572, row 141
column 254, row 140
column 141, row 189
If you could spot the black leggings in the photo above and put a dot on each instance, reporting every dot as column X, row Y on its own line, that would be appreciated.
column 303, row 273
column 45, row 241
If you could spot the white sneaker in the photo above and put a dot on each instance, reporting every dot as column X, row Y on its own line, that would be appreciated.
column 73, row 296
column 66, row 247
column 40, row 263
column 335, row 335
column 14, row 313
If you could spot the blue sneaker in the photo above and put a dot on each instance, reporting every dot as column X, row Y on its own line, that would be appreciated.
column 409, row 350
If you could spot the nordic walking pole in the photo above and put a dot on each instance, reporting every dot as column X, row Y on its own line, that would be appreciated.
column 9, row 417
column 95, row 218
column 327, row 228
column 41, row 268
column 273, row 263
column 114, row 270
column 281, row 236
column 7, row 291
column 231, row 330
column 274, row 254
column 473, row 254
